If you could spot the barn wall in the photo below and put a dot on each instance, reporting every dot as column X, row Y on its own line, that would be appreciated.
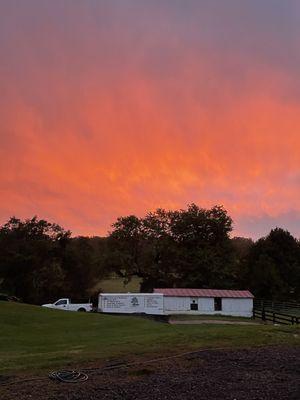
column 176, row 303
column 240, row 307
column 173, row 303
column 205, row 305
column 234, row 306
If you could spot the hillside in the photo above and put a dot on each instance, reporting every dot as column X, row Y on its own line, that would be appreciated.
column 32, row 337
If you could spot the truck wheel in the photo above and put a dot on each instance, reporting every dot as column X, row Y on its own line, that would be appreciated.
column 81, row 309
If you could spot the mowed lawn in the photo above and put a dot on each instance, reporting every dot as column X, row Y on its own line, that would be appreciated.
column 33, row 338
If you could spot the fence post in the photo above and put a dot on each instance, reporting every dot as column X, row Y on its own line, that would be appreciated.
column 253, row 313
column 292, row 320
column 263, row 314
column 273, row 318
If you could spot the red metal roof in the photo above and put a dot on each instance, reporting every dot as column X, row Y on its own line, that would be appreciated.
column 205, row 293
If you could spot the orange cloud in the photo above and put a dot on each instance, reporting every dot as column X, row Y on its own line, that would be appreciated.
column 125, row 123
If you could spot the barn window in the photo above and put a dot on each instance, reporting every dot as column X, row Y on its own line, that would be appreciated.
column 218, row 303
column 194, row 305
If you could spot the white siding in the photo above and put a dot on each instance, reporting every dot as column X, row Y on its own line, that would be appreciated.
column 160, row 304
column 205, row 305
column 131, row 303
column 176, row 304
column 238, row 307
column 230, row 306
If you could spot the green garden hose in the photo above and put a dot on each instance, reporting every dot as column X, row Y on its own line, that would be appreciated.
column 68, row 376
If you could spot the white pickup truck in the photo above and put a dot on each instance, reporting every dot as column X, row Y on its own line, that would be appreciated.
column 67, row 305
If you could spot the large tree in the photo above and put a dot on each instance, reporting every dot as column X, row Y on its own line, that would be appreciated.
column 31, row 253
column 188, row 247
column 273, row 266
column 39, row 261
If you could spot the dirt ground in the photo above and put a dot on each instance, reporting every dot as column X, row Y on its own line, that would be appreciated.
column 262, row 373
column 208, row 321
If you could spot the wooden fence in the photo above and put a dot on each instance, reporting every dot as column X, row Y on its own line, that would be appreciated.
column 281, row 307
column 275, row 317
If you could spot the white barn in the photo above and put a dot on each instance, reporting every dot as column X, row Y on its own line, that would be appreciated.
column 179, row 301
column 207, row 301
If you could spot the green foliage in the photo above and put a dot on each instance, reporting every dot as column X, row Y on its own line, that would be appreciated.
column 188, row 248
column 39, row 261
column 272, row 268
column 241, row 249
column 30, row 258
column 79, row 265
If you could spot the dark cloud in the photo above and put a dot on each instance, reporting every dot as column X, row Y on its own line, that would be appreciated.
column 258, row 226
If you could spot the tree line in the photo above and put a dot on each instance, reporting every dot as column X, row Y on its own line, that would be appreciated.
column 192, row 247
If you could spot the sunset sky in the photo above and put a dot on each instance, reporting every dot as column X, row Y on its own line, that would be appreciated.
column 118, row 107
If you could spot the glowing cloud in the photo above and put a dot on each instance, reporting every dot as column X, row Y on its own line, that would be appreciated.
column 110, row 108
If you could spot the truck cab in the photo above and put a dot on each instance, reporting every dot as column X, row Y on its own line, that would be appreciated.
column 61, row 304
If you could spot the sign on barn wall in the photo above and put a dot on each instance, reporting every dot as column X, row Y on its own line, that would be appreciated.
column 131, row 303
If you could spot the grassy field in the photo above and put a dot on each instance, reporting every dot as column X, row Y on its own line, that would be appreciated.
column 33, row 338
column 116, row 285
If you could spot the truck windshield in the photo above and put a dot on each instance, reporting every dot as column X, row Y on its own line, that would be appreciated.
column 61, row 302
